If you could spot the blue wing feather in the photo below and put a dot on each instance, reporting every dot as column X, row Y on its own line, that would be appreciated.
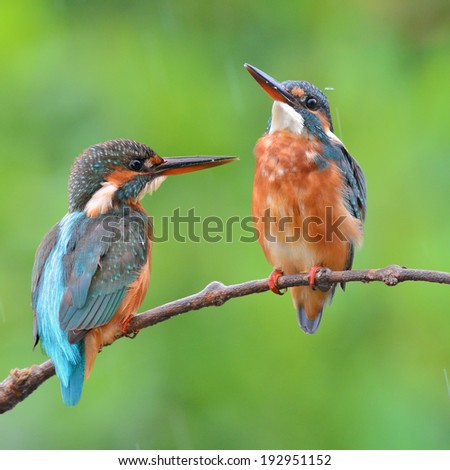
column 355, row 185
column 114, row 301
column 355, row 193
column 45, row 247
column 101, row 269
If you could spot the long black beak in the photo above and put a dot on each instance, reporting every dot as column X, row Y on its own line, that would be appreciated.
column 275, row 89
column 178, row 165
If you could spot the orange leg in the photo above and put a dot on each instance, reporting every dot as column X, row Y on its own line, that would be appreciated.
column 312, row 275
column 273, row 280
column 125, row 323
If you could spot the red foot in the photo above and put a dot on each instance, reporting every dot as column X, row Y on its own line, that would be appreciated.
column 273, row 280
column 312, row 275
column 125, row 323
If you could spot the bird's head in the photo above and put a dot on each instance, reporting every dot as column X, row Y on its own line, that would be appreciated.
column 299, row 106
column 123, row 171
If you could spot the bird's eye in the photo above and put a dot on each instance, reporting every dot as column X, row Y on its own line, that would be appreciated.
column 312, row 103
column 136, row 165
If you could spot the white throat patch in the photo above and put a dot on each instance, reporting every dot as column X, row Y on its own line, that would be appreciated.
column 284, row 117
column 152, row 186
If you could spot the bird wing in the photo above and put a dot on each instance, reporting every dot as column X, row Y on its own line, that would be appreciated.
column 355, row 193
column 46, row 246
column 355, row 185
column 104, row 256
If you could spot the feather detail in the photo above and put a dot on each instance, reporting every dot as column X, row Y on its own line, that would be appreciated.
column 101, row 201
column 152, row 186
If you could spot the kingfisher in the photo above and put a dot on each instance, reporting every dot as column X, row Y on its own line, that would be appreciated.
column 92, row 269
column 309, row 193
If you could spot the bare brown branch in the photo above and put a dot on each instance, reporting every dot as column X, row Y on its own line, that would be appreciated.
column 22, row 382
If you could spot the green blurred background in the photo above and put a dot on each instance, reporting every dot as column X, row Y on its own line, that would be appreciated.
column 169, row 73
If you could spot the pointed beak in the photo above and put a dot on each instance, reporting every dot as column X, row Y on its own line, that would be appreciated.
column 179, row 165
column 275, row 89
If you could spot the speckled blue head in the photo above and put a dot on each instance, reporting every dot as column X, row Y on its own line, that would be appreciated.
column 96, row 164
column 310, row 99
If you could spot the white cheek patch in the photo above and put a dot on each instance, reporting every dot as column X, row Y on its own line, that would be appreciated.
column 284, row 117
column 101, row 201
column 153, row 185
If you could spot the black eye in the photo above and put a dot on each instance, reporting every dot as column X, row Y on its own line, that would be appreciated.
column 312, row 103
column 135, row 165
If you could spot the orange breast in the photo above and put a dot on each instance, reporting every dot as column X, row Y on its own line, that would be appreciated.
column 304, row 204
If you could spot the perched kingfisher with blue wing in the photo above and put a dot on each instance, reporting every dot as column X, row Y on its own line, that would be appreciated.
column 92, row 269
column 311, row 187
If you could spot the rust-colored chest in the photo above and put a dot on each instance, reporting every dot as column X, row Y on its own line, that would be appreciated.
column 296, row 202
column 288, row 180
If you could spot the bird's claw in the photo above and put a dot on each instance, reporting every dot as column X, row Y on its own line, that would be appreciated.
column 125, row 323
column 273, row 281
column 312, row 278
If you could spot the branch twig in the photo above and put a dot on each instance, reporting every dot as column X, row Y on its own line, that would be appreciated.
column 22, row 382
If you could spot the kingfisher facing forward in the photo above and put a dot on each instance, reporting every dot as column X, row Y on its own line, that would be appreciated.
column 92, row 269
column 310, row 187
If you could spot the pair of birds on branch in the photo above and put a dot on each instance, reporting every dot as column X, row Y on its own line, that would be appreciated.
column 87, row 285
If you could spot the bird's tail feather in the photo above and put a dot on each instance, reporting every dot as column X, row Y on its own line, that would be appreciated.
column 70, row 371
column 306, row 324
column 71, row 393
column 312, row 301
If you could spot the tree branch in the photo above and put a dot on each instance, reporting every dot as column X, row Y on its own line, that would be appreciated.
column 22, row 382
